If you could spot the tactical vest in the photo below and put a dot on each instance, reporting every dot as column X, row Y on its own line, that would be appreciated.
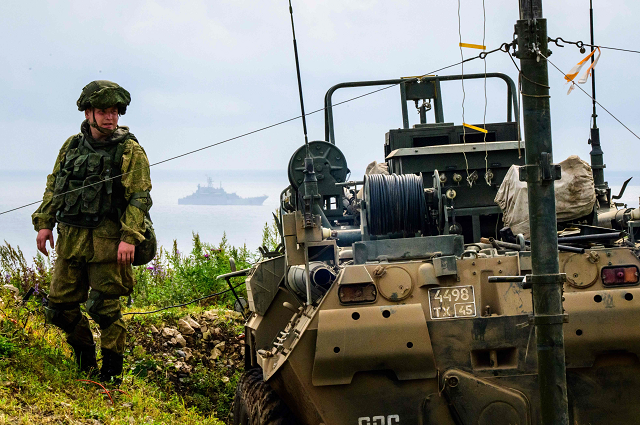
column 85, row 191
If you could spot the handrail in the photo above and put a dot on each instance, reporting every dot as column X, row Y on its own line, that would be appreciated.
column 512, row 99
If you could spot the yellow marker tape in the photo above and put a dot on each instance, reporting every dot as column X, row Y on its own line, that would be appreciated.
column 473, row 127
column 473, row 46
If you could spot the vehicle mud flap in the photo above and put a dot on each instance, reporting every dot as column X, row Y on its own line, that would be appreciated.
column 473, row 400
column 435, row 410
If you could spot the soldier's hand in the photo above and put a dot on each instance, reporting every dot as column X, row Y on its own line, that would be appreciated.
column 125, row 253
column 44, row 235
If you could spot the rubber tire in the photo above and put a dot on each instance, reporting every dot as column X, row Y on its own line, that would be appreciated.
column 256, row 403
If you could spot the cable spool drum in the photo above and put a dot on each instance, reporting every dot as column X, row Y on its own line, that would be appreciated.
column 395, row 204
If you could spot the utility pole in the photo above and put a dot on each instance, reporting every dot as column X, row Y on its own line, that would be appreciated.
column 540, row 174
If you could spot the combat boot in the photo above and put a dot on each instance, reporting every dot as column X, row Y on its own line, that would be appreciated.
column 85, row 357
column 112, row 363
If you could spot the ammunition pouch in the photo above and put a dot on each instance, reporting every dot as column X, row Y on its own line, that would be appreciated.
column 94, row 306
column 55, row 315
column 146, row 250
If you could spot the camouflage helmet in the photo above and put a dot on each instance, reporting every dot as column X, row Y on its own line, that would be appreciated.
column 103, row 94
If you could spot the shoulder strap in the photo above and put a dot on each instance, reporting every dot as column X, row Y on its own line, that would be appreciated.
column 75, row 142
column 117, row 158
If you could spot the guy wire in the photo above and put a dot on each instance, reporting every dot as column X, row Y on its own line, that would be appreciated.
column 484, row 118
column 249, row 132
column 583, row 91
column 464, row 95
column 136, row 313
column 519, row 102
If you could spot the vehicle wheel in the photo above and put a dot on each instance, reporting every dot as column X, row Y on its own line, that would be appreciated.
column 256, row 403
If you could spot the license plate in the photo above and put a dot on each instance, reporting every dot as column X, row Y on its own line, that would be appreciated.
column 452, row 302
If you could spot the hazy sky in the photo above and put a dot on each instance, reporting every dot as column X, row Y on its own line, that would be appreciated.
column 203, row 71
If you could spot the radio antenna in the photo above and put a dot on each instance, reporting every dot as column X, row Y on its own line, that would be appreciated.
column 596, row 154
column 593, row 71
column 295, row 51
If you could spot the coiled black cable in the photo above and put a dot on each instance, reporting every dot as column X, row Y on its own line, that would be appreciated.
column 395, row 204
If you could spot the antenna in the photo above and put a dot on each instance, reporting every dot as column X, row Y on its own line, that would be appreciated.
column 593, row 71
column 597, row 155
column 295, row 51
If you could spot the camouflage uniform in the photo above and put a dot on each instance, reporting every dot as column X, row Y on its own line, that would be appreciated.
column 86, row 269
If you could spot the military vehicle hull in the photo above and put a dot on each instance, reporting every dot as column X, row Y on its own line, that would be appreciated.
column 404, row 299
column 353, row 364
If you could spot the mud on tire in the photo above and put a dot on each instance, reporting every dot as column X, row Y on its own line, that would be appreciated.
column 256, row 403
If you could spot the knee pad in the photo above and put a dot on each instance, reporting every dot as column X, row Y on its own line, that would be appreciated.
column 95, row 305
column 62, row 316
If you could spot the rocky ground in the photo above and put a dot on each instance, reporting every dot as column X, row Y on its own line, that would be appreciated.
column 199, row 355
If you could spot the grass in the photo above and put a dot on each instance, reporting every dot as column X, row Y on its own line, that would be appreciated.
column 39, row 381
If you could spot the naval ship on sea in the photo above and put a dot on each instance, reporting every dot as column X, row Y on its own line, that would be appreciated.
column 209, row 195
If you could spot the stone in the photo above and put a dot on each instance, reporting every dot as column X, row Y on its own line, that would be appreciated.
column 206, row 335
column 185, row 328
column 215, row 353
column 192, row 323
column 210, row 315
column 188, row 353
column 233, row 314
column 220, row 346
column 181, row 341
column 153, row 329
column 173, row 341
column 11, row 288
column 169, row 332
column 225, row 379
column 181, row 353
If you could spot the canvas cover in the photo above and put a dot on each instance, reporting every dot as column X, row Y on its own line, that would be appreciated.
column 575, row 195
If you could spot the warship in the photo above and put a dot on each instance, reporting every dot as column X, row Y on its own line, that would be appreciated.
column 210, row 195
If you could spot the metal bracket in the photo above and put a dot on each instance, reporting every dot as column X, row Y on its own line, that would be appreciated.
column 544, row 279
column 531, row 35
column 545, row 171
column 549, row 319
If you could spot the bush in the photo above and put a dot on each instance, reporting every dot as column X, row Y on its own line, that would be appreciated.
column 173, row 277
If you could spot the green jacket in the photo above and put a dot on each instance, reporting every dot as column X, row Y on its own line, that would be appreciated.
column 136, row 178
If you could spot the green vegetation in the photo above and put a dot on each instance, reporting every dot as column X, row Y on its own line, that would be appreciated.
column 164, row 382
column 174, row 278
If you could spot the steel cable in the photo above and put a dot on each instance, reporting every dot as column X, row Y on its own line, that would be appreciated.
column 395, row 204
column 480, row 56
column 590, row 97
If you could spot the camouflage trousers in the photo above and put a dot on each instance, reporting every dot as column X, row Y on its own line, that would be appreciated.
column 84, row 274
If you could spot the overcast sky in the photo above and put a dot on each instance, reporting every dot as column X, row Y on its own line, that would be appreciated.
column 203, row 71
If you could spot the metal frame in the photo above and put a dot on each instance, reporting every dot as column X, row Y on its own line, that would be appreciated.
column 512, row 98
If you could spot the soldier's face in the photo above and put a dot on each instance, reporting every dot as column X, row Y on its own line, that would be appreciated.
column 105, row 118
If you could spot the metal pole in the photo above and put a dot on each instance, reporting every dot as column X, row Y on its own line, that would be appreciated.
column 596, row 154
column 540, row 173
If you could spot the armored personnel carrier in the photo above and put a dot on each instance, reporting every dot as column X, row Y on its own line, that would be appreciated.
column 403, row 299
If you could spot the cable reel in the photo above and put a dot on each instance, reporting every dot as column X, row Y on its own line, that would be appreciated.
column 395, row 204
column 329, row 163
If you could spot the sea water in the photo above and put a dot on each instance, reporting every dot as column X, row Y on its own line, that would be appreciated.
column 242, row 224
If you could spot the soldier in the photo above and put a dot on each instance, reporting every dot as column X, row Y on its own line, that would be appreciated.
column 100, row 217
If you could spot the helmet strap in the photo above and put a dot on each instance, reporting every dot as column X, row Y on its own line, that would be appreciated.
column 95, row 125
